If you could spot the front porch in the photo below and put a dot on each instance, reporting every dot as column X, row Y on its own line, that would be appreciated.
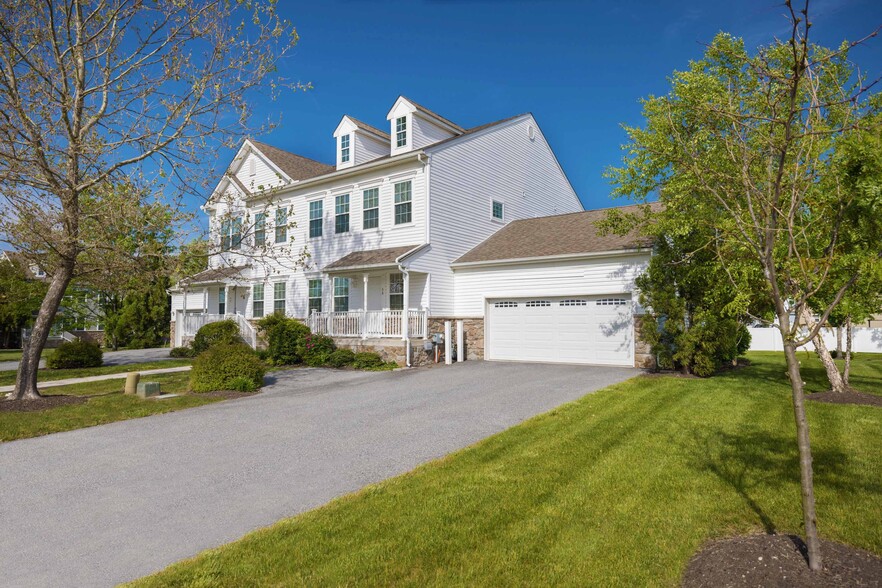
column 370, row 324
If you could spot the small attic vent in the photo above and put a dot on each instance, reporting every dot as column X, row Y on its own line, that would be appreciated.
column 531, row 133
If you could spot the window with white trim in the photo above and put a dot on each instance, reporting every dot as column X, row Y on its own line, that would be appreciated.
column 257, row 301
column 341, row 294
column 497, row 210
column 401, row 131
column 575, row 302
column 315, row 296
column 534, row 303
column 279, row 305
column 344, row 149
column 281, row 225
column 231, row 234
column 260, row 229
column 403, row 203
column 341, row 211
column 611, row 302
column 316, row 217
column 506, row 304
column 222, row 301
column 396, row 291
column 371, row 209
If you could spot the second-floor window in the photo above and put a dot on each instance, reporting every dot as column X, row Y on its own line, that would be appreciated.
column 279, row 298
column 497, row 209
column 341, row 294
column 257, row 301
column 403, row 204
column 281, row 225
column 231, row 234
column 315, row 296
column 344, row 149
column 371, row 208
column 401, row 131
column 341, row 211
column 260, row 229
column 316, row 215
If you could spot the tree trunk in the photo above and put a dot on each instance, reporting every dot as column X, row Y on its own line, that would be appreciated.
column 839, row 341
column 26, row 380
column 805, row 458
column 849, row 334
column 836, row 383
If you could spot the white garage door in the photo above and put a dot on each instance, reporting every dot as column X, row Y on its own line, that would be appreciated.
column 572, row 329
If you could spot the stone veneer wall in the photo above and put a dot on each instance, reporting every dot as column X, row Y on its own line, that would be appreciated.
column 473, row 332
column 389, row 349
column 643, row 356
column 90, row 336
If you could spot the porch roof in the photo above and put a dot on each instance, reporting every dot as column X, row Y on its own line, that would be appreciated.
column 214, row 275
column 372, row 258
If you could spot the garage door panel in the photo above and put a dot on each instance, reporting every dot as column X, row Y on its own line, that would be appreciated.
column 586, row 329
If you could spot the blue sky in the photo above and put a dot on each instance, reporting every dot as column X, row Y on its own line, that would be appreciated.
column 579, row 67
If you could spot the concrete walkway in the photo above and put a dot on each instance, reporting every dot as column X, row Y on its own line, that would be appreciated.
column 120, row 376
column 107, row 504
column 123, row 357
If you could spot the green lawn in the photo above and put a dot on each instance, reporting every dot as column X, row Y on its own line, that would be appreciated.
column 7, row 377
column 617, row 489
column 10, row 354
column 106, row 404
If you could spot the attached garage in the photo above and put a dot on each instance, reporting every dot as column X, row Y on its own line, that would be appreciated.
column 565, row 329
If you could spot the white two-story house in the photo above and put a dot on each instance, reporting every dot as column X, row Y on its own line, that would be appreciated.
column 423, row 223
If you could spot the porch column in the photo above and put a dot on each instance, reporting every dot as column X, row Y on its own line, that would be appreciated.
column 185, row 301
column 405, row 327
column 204, row 300
column 364, row 307
column 227, row 290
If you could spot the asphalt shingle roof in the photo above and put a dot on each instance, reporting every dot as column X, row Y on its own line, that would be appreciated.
column 372, row 257
column 295, row 166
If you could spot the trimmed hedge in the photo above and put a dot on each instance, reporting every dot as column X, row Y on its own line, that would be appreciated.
column 182, row 352
column 368, row 360
column 227, row 367
column 284, row 339
column 219, row 333
column 75, row 354
column 316, row 349
column 341, row 358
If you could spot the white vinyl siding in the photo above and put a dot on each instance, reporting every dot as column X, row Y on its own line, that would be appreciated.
column 423, row 132
column 367, row 148
column 264, row 176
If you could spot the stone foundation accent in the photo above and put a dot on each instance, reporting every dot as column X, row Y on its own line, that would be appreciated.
column 90, row 336
column 389, row 349
column 473, row 332
column 643, row 356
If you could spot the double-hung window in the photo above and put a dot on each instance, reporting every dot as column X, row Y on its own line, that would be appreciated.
column 260, row 229
column 341, row 211
column 403, row 204
column 225, row 234
column 341, row 294
column 396, row 291
column 497, row 210
column 315, row 296
column 281, row 225
column 371, row 208
column 401, row 131
column 279, row 298
column 316, row 217
column 222, row 301
column 344, row 149
column 257, row 301
column 236, row 233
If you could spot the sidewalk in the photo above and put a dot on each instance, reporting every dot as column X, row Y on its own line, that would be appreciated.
column 119, row 376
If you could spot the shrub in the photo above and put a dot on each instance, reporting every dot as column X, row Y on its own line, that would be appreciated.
column 182, row 352
column 341, row 358
column 227, row 367
column 367, row 360
column 284, row 339
column 75, row 354
column 219, row 333
column 315, row 350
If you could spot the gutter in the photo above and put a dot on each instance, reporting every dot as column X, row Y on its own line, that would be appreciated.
column 546, row 258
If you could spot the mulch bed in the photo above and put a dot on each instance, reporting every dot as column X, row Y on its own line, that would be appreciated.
column 850, row 397
column 41, row 403
column 779, row 561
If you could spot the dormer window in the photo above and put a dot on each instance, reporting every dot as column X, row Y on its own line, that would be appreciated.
column 401, row 131
column 344, row 149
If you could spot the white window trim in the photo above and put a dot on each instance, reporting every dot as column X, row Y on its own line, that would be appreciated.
column 494, row 218
column 309, row 217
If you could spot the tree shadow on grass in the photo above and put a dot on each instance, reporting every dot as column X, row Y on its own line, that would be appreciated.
column 756, row 462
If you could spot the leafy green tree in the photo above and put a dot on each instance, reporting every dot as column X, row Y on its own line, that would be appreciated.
column 20, row 296
column 739, row 148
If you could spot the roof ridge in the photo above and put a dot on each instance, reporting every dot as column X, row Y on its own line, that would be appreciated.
column 367, row 127
column 261, row 143
column 435, row 114
column 581, row 212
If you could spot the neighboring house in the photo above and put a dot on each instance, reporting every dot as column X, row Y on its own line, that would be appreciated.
column 79, row 315
column 426, row 223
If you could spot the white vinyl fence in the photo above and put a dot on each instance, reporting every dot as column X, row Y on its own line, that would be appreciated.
column 864, row 340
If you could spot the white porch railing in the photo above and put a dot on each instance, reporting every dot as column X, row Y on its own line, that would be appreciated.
column 191, row 324
column 369, row 323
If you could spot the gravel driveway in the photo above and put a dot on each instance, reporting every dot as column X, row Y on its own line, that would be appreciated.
column 108, row 504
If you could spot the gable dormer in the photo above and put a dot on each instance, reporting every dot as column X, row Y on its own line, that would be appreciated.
column 358, row 143
column 413, row 127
